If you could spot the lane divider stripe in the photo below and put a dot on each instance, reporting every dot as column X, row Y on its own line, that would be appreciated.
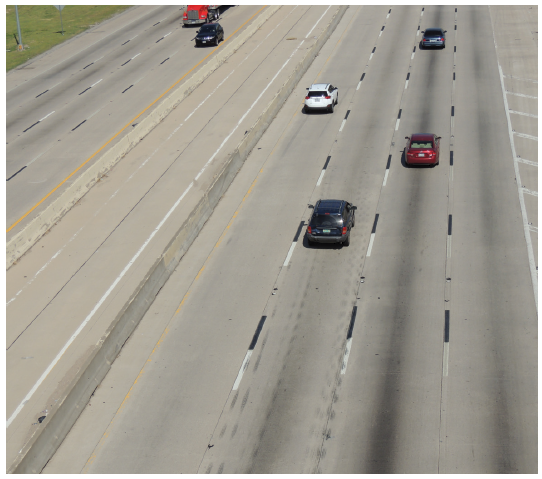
column 249, row 353
column 349, row 340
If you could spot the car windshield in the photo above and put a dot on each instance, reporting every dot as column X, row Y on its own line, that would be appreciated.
column 322, row 221
column 207, row 29
column 421, row 144
column 317, row 94
column 433, row 33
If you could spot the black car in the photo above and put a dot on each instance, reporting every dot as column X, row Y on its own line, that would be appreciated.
column 433, row 37
column 331, row 222
column 209, row 34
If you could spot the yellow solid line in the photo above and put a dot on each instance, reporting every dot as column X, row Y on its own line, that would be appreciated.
column 121, row 130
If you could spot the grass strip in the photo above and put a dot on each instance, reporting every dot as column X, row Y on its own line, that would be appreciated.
column 40, row 27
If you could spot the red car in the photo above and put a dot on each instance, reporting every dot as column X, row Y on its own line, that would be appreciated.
column 422, row 149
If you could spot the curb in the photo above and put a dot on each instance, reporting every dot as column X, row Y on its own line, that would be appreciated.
column 42, row 445
column 33, row 231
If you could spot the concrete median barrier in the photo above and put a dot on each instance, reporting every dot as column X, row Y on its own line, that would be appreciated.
column 21, row 242
column 96, row 363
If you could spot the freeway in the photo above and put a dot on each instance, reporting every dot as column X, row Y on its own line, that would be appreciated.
column 413, row 350
column 60, row 116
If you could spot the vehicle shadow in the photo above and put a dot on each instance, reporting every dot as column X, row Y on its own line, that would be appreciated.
column 322, row 111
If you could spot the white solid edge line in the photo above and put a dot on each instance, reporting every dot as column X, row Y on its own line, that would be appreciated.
column 242, row 370
column 321, row 177
column 91, row 314
column 342, row 125
column 524, row 114
column 532, row 264
column 534, row 229
column 346, row 355
column 96, row 307
column 445, row 356
column 318, row 21
column 250, row 109
column 397, row 124
column 385, row 177
column 289, row 255
column 370, row 244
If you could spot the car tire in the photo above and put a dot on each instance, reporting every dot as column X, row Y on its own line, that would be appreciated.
column 337, row 102
column 346, row 242
column 216, row 41
column 353, row 221
column 305, row 110
column 331, row 108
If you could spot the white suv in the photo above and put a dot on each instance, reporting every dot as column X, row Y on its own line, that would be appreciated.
column 321, row 96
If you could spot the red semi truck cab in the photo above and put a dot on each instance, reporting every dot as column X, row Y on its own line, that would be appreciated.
column 195, row 14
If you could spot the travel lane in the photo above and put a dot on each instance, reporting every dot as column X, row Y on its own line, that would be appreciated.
column 292, row 387
column 491, row 412
column 292, row 170
column 59, row 144
column 386, row 418
column 80, row 261
column 24, row 84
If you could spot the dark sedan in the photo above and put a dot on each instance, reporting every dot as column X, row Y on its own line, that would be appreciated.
column 209, row 34
column 433, row 37
column 331, row 222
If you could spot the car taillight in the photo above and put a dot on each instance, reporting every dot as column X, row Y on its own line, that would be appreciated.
column 309, row 230
column 328, row 97
column 307, row 97
column 424, row 40
column 344, row 230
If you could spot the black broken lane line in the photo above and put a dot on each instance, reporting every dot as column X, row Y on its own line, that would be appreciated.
column 249, row 353
column 15, row 174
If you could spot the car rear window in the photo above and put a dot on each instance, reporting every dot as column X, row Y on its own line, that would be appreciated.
column 332, row 221
column 421, row 144
column 433, row 33
column 207, row 29
column 317, row 94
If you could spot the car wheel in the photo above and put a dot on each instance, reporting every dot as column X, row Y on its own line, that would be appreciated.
column 216, row 41
column 337, row 102
column 305, row 110
column 353, row 221
column 347, row 241
column 331, row 109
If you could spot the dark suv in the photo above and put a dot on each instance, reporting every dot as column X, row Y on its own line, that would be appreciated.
column 331, row 222
column 209, row 34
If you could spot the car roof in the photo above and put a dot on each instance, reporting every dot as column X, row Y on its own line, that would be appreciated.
column 329, row 206
column 319, row 86
column 422, row 136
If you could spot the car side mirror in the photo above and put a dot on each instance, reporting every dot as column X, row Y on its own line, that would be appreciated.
column 423, row 31
column 445, row 31
column 354, row 208
column 407, row 137
column 310, row 206
column 306, row 88
column 438, row 137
